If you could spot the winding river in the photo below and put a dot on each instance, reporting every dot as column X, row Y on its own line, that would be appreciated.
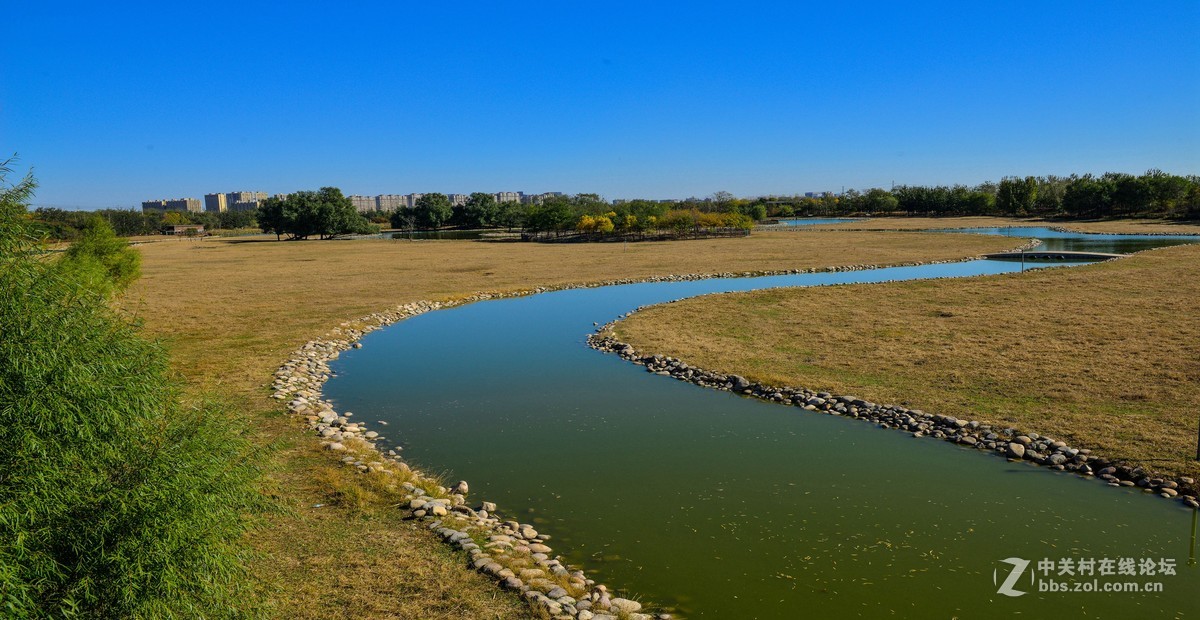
column 719, row 506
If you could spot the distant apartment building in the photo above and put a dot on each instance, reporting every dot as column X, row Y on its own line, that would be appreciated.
column 413, row 198
column 508, row 196
column 391, row 202
column 176, row 204
column 457, row 200
column 217, row 203
column 363, row 204
column 244, row 201
column 537, row 199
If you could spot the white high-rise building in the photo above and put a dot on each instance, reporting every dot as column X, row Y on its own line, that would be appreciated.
column 390, row 202
column 363, row 204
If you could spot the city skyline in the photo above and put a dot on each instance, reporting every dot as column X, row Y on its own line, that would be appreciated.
column 626, row 101
column 248, row 201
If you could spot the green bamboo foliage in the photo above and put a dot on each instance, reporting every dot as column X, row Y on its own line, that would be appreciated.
column 116, row 500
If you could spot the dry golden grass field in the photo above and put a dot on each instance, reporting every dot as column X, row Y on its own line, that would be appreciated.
column 1105, row 356
column 231, row 310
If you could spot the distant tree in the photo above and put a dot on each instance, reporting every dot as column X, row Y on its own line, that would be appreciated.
column 1168, row 192
column 237, row 219
column 325, row 213
column 338, row 217
column 1087, row 197
column 432, row 211
column 1016, row 196
column 481, row 211
column 977, row 202
column 174, row 218
column 1131, row 195
column 553, row 214
column 588, row 203
column 878, row 200
column 133, row 222
column 403, row 219
column 723, row 201
column 271, row 218
column 59, row 223
column 511, row 214
column 1049, row 195
column 211, row 220
column 755, row 211
column 626, row 223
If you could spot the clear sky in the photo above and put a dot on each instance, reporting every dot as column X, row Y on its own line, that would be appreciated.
column 114, row 103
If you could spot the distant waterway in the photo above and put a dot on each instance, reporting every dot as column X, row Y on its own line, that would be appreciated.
column 437, row 234
column 725, row 507
column 815, row 221
column 1057, row 240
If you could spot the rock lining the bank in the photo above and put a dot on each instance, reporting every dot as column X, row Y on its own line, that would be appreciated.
column 512, row 553
column 1008, row 442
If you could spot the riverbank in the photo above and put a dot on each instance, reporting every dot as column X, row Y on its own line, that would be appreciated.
column 1102, row 356
column 232, row 310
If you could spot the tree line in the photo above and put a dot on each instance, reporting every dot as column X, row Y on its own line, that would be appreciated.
column 67, row 225
column 581, row 213
column 1154, row 194
column 327, row 213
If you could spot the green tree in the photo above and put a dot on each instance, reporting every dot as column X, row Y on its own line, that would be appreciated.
column 552, row 215
column 878, row 200
column 432, row 211
column 1016, row 196
column 325, row 213
column 337, row 215
column 1131, row 195
column 588, row 203
column 755, row 211
column 116, row 500
column 1049, row 195
column 511, row 214
column 101, row 259
column 237, row 219
column 132, row 222
column 723, row 201
column 271, row 217
column 403, row 219
column 1087, row 197
column 481, row 211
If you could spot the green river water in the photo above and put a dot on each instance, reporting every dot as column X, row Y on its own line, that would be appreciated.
column 718, row 506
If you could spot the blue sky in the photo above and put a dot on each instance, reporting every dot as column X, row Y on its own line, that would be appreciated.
column 113, row 104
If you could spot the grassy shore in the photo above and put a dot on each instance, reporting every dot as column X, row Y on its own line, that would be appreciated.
column 1105, row 356
column 231, row 310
